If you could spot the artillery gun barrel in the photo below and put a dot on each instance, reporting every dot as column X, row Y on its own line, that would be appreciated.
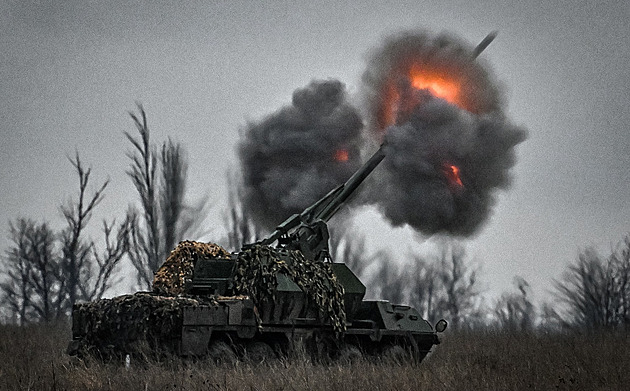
column 328, row 205
column 351, row 185
column 484, row 43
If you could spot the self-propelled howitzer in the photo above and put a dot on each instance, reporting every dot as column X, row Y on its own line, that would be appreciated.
column 371, row 327
column 259, row 302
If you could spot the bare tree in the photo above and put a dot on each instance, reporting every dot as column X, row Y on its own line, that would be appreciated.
column 621, row 289
column 444, row 287
column 595, row 291
column 348, row 247
column 16, row 288
column 47, row 273
column 144, row 252
column 392, row 286
column 460, row 302
column 424, row 286
column 75, row 263
column 105, row 262
column 172, row 189
column 85, row 273
column 241, row 225
column 515, row 311
column 30, row 288
column 164, row 218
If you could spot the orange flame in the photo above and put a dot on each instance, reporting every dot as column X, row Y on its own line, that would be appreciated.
column 395, row 104
column 342, row 155
column 438, row 86
column 452, row 173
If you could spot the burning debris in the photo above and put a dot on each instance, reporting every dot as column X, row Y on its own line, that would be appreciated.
column 296, row 155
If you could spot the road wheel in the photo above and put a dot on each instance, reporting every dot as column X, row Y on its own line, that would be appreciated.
column 350, row 354
column 258, row 352
column 221, row 353
column 396, row 354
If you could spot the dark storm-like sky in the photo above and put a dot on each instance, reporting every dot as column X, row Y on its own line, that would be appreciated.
column 71, row 70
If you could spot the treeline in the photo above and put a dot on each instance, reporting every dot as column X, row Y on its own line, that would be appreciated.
column 45, row 271
column 592, row 293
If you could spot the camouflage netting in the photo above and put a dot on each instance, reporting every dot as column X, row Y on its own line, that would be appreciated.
column 256, row 272
column 131, row 323
column 173, row 277
column 149, row 321
column 258, row 266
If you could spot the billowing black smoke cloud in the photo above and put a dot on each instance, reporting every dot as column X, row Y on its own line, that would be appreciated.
column 443, row 167
column 296, row 155
column 444, row 161
column 444, row 57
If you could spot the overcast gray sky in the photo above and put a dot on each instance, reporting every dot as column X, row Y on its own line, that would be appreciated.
column 71, row 70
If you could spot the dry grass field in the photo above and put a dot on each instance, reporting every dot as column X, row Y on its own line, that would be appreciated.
column 33, row 358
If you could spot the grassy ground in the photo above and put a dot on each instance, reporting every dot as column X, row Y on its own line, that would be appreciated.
column 33, row 358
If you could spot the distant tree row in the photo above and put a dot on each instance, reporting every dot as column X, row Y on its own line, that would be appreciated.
column 593, row 293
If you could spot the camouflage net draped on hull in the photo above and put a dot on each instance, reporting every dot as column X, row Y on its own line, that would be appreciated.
column 256, row 276
column 175, row 274
column 146, row 322
column 131, row 323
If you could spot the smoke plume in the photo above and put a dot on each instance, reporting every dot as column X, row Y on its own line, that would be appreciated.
column 445, row 61
column 296, row 155
column 449, row 145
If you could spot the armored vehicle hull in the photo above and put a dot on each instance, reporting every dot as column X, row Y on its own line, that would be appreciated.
column 210, row 319
column 258, row 303
column 390, row 329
